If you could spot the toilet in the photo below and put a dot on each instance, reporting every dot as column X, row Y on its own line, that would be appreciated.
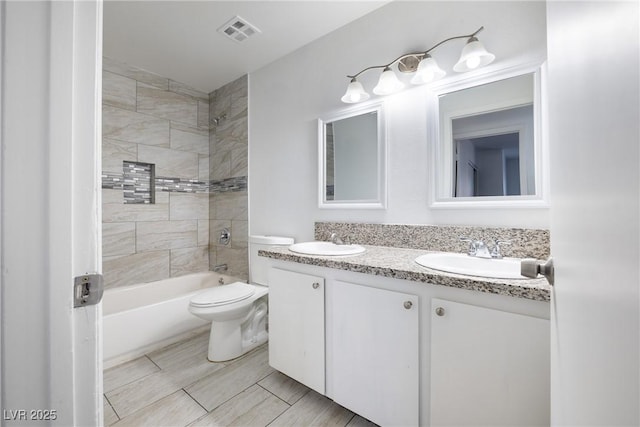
column 238, row 311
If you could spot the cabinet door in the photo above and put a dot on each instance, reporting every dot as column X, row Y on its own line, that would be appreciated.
column 375, row 353
column 296, row 326
column 488, row 367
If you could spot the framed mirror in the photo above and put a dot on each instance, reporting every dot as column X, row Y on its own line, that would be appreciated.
column 488, row 144
column 352, row 159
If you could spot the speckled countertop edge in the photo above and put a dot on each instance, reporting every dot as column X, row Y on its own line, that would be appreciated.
column 399, row 263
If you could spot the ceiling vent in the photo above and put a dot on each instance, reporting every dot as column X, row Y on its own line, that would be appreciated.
column 238, row 29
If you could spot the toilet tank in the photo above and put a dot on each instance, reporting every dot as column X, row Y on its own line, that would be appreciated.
column 259, row 266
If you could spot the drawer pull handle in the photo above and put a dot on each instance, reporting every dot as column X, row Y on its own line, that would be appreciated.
column 315, row 285
column 440, row 311
column 408, row 305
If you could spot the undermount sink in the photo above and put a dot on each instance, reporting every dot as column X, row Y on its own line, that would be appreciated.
column 325, row 249
column 503, row 268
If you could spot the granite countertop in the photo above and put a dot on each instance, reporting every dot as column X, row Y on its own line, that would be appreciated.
column 399, row 263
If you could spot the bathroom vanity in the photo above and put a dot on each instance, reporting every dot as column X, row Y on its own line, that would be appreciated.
column 401, row 344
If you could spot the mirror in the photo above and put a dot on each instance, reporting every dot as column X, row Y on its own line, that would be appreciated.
column 488, row 147
column 352, row 158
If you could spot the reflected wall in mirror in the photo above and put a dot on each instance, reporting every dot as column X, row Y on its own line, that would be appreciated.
column 489, row 149
column 351, row 159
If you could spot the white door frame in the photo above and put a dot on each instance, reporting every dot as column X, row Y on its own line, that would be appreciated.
column 50, row 225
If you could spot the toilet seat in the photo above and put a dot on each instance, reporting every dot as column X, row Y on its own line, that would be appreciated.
column 223, row 295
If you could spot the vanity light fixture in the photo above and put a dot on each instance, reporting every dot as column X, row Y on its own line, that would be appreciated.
column 425, row 67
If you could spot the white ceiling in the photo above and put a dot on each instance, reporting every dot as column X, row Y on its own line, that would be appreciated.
column 179, row 39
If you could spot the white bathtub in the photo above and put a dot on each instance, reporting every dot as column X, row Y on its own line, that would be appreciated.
column 141, row 318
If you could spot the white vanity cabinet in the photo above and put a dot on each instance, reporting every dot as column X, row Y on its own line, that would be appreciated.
column 375, row 353
column 488, row 367
column 296, row 326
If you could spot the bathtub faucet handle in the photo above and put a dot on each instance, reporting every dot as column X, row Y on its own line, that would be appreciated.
column 225, row 236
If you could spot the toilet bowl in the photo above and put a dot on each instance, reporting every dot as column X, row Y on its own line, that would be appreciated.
column 238, row 311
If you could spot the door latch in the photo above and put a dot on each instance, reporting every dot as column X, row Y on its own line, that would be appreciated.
column 532, row 267
column 87, row 290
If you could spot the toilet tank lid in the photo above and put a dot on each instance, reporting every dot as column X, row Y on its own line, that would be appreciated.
column 271, row 240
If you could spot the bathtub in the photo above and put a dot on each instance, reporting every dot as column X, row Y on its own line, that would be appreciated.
column 138, row 319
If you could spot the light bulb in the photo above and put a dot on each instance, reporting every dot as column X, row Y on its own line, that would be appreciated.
column 473, row 56
column 355, row 93
column 388, row 83
column 427, row 71
column 473, row 62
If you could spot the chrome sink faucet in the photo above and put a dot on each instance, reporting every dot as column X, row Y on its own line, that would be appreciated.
column 478, row 248
column 338, row 241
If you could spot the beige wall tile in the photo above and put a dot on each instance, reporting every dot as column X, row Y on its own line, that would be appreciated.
column 135, row 73
column 203, row 114
column 237, row 260
column 120, row 212
column 220, row 165
column 110, row 196
column 157, row 235
column 189, row 139
column 203, row 232
column 170, row 163
column 188, row 206
column 189, row 260
column 114, row 152
column 168, row 105
column 203, row 168
column 183, row 89
column 239, row 162
column 136, row 268
column 239, row 234
column 230, row 205
column 118, row 91
column 231, row 134
column 118, row 238
column 125, row 125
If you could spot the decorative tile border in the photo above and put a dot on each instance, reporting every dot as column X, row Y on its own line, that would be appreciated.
column 115, row 181
column 139, row 183
column 524, row 243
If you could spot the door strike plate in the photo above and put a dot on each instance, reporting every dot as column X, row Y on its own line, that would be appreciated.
column 87, row 290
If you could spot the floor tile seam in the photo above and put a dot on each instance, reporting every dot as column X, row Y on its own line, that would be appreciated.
column 219, row 371
column 132, row 381
column 151, row 404
column 169, row 393
column 153, row 361
column 290, row 404
column 206, row 413
column 276, row 396
column 112, row 407
column 230, row 398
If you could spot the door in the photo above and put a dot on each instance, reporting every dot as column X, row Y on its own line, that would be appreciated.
column 375, row 353
column 296, row 326
column 477, row 360
column 593, row 138
column 50, row 233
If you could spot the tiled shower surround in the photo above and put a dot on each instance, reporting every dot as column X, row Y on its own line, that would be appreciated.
column 151, row 119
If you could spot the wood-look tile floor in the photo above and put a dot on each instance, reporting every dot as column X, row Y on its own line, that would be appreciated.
column 178, row 386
